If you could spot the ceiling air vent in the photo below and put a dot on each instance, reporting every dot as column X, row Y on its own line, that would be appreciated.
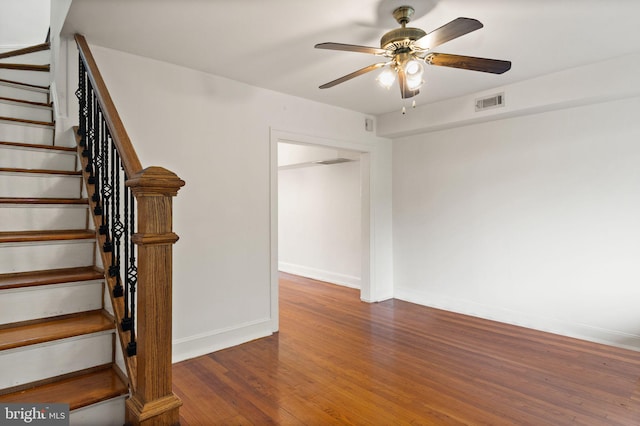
column 494, row 101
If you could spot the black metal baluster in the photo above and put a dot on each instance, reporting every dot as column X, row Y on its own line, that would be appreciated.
column 114, row 201
column 88, row 150
column 117, row 227
column 81, row 94
column 132, row 276
column 107, row 191
column 97, row 158
column 127, row 321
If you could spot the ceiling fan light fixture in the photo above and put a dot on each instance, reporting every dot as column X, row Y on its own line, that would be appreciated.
column 413, row 67
column 386, row 78
column 414, row 83
column 414, row 70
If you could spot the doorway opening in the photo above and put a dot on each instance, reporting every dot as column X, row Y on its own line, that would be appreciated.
column 319, row 213
column 297, row 155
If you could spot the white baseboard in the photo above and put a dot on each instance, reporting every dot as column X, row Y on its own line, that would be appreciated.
column 320, row 275
column 215, row 340
column 523, row 319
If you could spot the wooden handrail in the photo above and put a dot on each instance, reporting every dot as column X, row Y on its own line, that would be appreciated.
column 128, row 155
column 152, row 400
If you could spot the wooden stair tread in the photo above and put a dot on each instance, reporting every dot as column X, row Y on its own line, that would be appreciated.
column 25, row 50
column 25, row 67
column 27, row 236
column 79, row 391
column 39, row 146
column 32, row 333
column 26, row 103
column 42, row 171
column 25, row 121
column 52, row 276
column 18, row 200
column 25, row 85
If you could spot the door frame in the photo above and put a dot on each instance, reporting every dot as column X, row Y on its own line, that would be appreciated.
column 373, row 234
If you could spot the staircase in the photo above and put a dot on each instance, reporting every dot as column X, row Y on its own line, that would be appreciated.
column 57, row 333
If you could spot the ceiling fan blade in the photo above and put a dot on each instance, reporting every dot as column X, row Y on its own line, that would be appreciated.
column 454, row 29
column 351, row 48
column 353, row 75
column 493, row 66
column 405, row 92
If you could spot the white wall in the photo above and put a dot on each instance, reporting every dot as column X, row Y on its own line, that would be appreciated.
column 23, row 23
column 215, row 134
column 531, row 220
column 320, row 220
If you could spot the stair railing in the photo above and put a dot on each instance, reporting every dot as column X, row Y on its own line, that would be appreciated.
column 132, row 209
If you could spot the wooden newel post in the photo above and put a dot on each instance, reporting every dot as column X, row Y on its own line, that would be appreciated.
column 152, row 401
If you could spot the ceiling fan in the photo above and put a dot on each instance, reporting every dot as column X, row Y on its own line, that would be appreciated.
column 407, row 49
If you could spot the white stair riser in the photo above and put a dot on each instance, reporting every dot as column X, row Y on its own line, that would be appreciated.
column 29, row 303
column 24, row 257
column 106, row 300
column 38, row 362
column 33, row 158
column 38, row 78
column 106, row 413
column 17, row 92
column 119, row 356
column 34, row 58
column 25, row 112
column 15, row 132
column 35, row 185
column 21, row 217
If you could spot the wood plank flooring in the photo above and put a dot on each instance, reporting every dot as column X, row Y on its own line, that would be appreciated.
column 339, row 361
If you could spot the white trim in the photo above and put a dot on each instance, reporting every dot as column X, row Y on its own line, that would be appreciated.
column 212, row 341
column 320, row 274
column 522, row 319
column 274, row 305
column 53, row 98
column 302, row 139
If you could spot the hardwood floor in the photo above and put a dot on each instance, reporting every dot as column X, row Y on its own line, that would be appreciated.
column 337, row 360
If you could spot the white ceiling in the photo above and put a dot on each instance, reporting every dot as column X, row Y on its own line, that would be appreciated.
column 269, row 43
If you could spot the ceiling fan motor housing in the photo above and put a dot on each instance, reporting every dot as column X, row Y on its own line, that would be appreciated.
column 400, row 38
